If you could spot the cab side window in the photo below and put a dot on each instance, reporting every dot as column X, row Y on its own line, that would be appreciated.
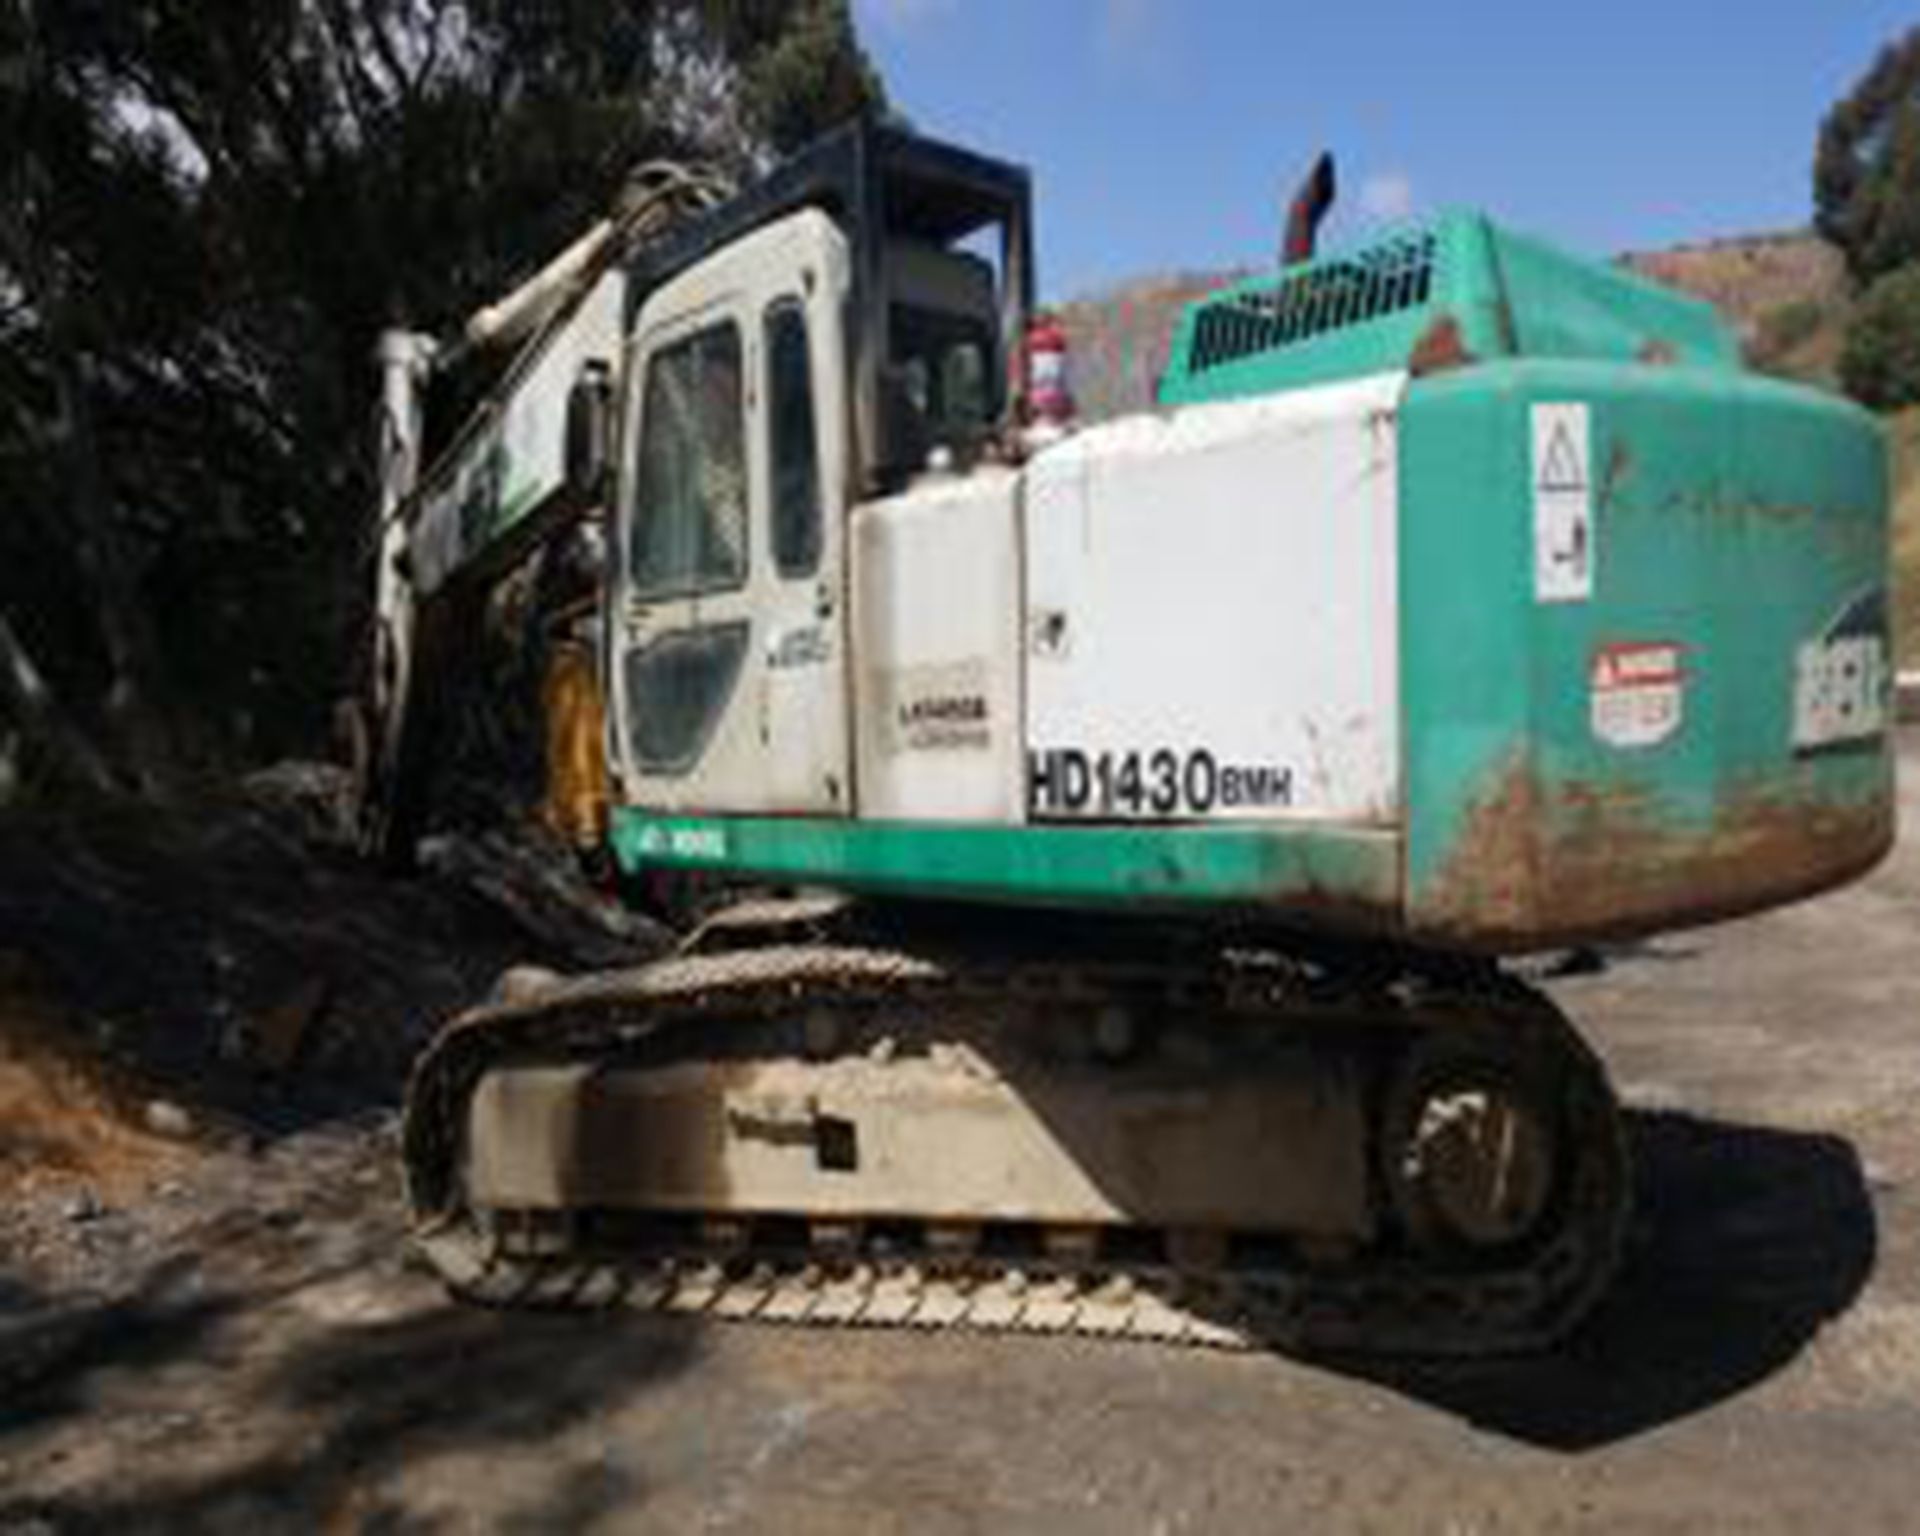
column 792, row 447
column 690, row 512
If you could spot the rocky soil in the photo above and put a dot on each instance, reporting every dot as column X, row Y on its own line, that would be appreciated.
column 206, row 1020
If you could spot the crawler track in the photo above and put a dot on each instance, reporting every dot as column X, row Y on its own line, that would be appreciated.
column 1391, row 1295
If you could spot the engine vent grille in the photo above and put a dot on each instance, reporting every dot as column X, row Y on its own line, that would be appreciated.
column 1454, row 290
column 1389, row 278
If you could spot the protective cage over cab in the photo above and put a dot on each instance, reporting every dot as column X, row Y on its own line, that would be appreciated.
column 908, row 206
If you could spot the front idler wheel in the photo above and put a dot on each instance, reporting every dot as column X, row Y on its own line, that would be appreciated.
column 1473, row 1146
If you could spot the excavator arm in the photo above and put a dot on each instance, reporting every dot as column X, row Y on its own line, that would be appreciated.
column 525, row 467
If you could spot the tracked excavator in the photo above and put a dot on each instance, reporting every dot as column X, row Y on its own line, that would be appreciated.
column 1113, row 840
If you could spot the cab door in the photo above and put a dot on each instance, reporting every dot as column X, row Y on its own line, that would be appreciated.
column 731, row 667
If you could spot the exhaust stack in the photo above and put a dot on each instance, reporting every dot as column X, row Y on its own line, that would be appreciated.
column 1309, row 207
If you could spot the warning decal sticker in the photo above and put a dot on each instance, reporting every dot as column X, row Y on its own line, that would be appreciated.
column 1639, row 693
column 1563, row 553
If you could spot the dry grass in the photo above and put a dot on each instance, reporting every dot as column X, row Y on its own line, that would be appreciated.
column 1747, row 280
column 65, row 1120
column 1788, row 297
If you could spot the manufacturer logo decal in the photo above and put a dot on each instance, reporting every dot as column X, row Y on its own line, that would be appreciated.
column 939, row 708
column 805, row 647
column 1842, row 683
column 657, row 840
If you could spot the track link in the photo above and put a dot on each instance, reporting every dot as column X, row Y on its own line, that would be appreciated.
column 1389, row 1298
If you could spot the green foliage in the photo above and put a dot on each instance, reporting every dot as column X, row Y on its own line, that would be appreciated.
column 1781, row 332
column 1880, row 365
column 804, row 70
column 207, row 214
column 1791, row 325
column 1867, row 165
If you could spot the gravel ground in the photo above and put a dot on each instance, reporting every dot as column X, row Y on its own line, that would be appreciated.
column 246, row 1350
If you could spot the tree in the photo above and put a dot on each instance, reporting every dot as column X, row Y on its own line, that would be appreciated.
column 803, row 71
column 208, row 211
column 1867, row 165
column 1880, row 364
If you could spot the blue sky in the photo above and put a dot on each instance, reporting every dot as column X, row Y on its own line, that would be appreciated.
column 1166, row 134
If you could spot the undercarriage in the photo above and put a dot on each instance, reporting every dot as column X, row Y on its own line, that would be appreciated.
column 804, row 1118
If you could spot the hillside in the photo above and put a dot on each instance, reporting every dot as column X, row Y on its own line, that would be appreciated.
column 1788, row 295
column 1751, row 278
column 1120, row 339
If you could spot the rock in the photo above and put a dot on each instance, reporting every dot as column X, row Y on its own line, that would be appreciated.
column 82, row 1207
column 317, row 800
column 1584, row 961
column 1651, row 1097
column 282, row 1030
column 168, row 1119
column 232, row 1036
column 524, row 984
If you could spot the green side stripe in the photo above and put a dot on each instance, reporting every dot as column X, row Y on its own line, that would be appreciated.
column 1354, row 870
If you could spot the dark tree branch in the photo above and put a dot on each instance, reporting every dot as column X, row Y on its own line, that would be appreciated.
column 31, row 703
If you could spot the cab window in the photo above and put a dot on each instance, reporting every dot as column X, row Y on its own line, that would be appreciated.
column 690, row 511
column 792, row 447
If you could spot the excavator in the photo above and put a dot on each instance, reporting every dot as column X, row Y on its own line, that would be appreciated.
column 1111, row 845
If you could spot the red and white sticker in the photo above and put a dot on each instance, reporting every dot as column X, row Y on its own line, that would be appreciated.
column 1639, row 693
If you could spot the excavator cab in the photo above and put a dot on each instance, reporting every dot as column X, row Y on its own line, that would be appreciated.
column 803, row 350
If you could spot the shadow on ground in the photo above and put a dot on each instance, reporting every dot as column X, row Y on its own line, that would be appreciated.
column 50, row 1352
column 350, row 1405
column 1745, row 1242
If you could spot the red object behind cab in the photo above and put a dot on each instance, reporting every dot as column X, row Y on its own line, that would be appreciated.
column 1049, row 388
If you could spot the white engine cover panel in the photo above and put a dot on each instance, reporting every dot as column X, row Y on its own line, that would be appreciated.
column 936, row 634
column 1212, row 613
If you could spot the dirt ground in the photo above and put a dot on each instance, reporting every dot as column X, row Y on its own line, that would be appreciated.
column 241, row 1347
